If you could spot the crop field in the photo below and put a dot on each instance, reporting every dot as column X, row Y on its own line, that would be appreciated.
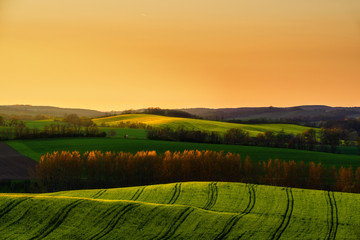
column 193, row 210
column 37, row 147
column 197, row 124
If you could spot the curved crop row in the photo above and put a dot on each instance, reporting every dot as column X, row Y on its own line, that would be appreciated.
column 232, row 222
column 287, row 215
column 333, row 216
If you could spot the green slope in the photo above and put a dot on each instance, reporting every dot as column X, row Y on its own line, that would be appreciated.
column 197, row 124
column 182, row 211
column 35, row 148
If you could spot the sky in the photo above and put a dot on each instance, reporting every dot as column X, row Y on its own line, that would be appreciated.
column 123, row 54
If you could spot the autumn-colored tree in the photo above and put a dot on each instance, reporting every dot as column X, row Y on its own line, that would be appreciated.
column 357, row 180
column 95, row 169
column 315, row 179
column 345, row 181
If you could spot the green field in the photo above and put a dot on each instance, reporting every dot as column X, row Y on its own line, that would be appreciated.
column 187, row 123
column 197, row 124
column 194, row 210
column 35, row 148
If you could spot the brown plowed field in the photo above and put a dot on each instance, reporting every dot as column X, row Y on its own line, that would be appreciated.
column 13, row 165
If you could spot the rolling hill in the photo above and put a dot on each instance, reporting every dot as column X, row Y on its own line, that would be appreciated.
column 28, row 110
column 299, row 113
column 193, row 210
column 197, row 124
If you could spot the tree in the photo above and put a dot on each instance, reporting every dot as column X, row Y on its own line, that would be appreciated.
column 269, row 138
column 282, row 138
column 310, row 138
column 2, row 121
column 236, row 136
column 331, row 136
column 73, row 119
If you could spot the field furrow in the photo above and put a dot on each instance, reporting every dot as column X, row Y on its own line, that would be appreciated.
column 10, row 206
column 287, row 215
column 212, row 196
column 56, row 220
column 114, row 221
column 99, row 193
column 137, row 194
column 233, row 221
column 333, row 216
column 176, row 224
column 175, row 196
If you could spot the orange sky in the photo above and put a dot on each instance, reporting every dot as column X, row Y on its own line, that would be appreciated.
column 121, row 54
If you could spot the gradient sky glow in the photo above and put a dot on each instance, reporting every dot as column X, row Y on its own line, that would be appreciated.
column 121, row 54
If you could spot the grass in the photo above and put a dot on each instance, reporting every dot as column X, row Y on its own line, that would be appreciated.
column 35, row 148
column 194, row 210
column 197, row 124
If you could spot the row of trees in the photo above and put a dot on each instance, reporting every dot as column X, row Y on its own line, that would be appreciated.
column 181, row 134
column 53, row 130
column 8, row 118
column 12, row 122
column 72, row 170
column 169, row 113
column 127, row 124
column 71, row 126
column 307, row 140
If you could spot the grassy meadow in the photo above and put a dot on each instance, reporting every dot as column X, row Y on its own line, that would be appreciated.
column 36, row 147
column 193, row 210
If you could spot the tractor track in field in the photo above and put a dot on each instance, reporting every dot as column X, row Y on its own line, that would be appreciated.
column 287, row 216
column 333, row 222
column 212, row 196
column 99, row 193
column 232, row 222
column 10, row 206
column 137, row 194
column 149, row 217
column 176, row 224
column 114, row 221
column 108, row 212
column 18, row 219
column 176, row 194
column 57, row 220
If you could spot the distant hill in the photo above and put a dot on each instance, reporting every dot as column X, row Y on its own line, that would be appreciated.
column 300, row 113
column 306, row 113
column 28, row 110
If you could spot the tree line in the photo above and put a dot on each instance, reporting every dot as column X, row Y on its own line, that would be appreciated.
column 162, row 112
column 71, row 126
column 127, row 124
column 328, row 140
column 71, row 170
